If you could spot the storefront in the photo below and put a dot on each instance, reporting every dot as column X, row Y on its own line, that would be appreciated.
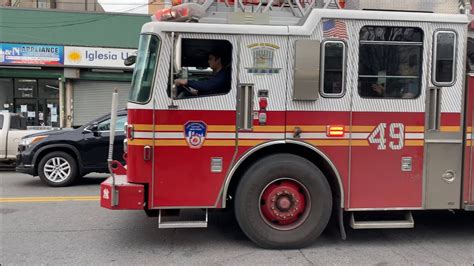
column 86, row 77
column 65, row 78
column 35, row 99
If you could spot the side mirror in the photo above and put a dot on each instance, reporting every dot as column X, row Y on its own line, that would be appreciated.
column 130, row 60
column 177, row 55
column 94, row 127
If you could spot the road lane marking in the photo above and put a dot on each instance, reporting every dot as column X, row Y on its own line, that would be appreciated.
column 50, row 199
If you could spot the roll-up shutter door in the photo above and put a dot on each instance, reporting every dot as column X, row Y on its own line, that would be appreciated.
column 94, row 98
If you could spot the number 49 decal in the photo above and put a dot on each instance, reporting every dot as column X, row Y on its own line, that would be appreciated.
column 396, row 134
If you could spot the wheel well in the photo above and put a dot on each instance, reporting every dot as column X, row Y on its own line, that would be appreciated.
column 53, row 149
column 295, row 149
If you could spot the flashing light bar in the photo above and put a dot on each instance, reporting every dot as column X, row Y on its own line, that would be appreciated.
column 180, row 13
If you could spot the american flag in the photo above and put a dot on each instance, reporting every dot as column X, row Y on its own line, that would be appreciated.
column 334, row 28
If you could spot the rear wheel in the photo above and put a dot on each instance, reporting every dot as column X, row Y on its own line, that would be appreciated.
column 58, row 169
column 283, row 201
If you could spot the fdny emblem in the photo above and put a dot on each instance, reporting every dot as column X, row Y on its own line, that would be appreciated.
column 263, row 58
column 195, row 133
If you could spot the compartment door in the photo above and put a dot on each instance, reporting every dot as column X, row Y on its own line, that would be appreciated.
column 388, row 118
column 443, row 135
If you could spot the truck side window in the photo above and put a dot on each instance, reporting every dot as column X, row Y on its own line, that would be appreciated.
column 443, row 61
column 333, row 68
column 390, row 61
column 1, row 121
column 205, row 69
column 15, row 122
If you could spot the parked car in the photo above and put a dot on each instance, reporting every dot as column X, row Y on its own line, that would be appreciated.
column 60, row 157
column 12, row 129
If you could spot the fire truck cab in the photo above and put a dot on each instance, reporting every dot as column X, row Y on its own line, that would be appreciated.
column 331, row 110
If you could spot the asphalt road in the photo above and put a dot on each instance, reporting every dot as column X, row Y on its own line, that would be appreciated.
column 37, row 228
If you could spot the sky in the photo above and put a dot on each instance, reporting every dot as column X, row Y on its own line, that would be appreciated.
column 127, row 6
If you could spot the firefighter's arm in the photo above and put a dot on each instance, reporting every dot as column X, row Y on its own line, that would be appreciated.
column 213, row 84
column 204, row 85
column 379, row 89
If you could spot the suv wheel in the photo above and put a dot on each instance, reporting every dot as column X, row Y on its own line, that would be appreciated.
column 58, row 169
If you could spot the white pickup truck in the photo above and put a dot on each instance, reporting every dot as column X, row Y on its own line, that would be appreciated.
column 12, row 129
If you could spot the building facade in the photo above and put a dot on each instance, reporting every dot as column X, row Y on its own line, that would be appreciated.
column 59, row 68
column 70, row 5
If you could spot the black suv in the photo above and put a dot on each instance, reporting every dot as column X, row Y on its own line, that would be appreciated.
column 59, row 157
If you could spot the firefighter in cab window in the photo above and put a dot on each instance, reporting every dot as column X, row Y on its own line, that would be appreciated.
column 219, row 83
column 406, row 87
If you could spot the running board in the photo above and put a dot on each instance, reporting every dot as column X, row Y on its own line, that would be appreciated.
column 408, row 222
column 181, row 223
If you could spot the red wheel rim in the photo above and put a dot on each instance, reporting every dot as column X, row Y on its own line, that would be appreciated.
column 284, row 204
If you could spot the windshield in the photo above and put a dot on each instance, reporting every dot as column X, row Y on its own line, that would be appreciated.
column 144, row 68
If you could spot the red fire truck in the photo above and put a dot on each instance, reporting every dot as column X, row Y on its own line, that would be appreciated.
column 319, row 111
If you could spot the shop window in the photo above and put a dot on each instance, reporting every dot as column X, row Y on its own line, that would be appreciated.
column 444, row 58
column 48, row 88
column 390, row 60
column 204, row 69
column 25, row 88
column 6, row 94
column 43, row 3
column 333, row 68
column 28, row 109
column 48, row 112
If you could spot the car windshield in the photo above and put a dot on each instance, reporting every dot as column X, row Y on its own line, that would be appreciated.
column 144, row 70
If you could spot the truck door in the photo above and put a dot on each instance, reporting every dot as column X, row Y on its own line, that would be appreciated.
column 3, row 137
column 443, row 135
column 261, row 90
column 388, row 110
column 194, row 130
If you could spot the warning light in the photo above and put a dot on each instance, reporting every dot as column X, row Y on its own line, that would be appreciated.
column 180, row 13
column 263, row 103
column 335, row 131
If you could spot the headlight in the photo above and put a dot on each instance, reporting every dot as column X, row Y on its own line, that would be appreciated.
column 31, row 140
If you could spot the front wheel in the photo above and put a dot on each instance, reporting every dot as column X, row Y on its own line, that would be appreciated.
column 58, row 169
column 283, row 201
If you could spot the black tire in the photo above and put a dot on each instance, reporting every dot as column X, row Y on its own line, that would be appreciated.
column 268, row 171
column 67, row 177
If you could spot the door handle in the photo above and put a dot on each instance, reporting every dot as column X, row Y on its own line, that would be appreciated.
column 147, row 153
column 434, row 108
column 245, row 106
column 449, row 176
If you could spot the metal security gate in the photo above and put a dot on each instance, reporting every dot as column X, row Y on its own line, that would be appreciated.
column 93, row 98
